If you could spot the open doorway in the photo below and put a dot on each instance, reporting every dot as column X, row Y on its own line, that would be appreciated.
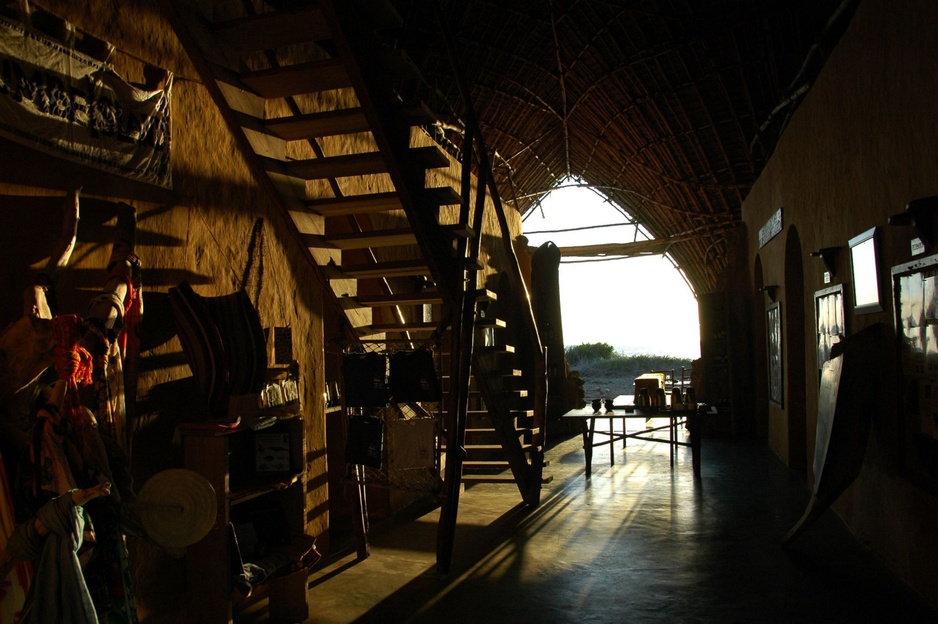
column 638, row 306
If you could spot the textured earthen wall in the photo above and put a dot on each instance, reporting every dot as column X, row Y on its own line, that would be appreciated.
column 200, row 232
column 862, row 144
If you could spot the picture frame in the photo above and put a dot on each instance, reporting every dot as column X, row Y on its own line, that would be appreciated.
column 829, row 321
column 773, row 326
column 915, row 298
column 864, row 266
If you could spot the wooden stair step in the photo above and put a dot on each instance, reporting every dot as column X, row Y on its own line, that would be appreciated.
column 444, row 196
column 377, row 202
column 372, row 301
column 354, row 164
column 397, row 65
column 319, row 75
column 378, row 328
column 418, row 114
column 313, row 76
column 458, row 230
column 342, row 166
column 498, row 349
column 485, row 464
column 517, row 413
column 494, row 447
column 315, row 125
column 268, row 31
column 429, row 157
column 489, row 464
column 361, row 240
column 516, row 394
column 491, row 322
column 372, row 238
column 355, row 204
column 395, row 268
column 491, row 430
column 483, row 294
column 498, row 479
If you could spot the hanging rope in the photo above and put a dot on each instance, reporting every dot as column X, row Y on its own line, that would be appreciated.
column 252, row 279
column 73, row 363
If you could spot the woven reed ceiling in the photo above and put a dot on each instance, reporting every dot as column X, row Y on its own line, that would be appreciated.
column 670, row 108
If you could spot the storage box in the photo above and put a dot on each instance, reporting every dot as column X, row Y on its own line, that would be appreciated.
column 650, row 382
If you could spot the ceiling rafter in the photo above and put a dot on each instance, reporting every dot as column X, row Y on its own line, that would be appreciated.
column 660, row 103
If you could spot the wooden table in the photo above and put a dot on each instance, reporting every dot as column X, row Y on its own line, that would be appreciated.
column 676, row 417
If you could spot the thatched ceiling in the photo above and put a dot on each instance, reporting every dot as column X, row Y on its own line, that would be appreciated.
column 670, row 108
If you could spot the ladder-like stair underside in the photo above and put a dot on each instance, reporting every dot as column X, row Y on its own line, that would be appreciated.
column 362, row 245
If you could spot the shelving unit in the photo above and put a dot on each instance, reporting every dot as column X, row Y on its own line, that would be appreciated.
column 725, row 346
column 246, row 485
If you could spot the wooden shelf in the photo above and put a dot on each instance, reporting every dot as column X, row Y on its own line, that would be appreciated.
column 250, row 492
column 226, row 457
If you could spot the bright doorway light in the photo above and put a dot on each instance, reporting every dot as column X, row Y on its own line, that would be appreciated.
column 636, row 305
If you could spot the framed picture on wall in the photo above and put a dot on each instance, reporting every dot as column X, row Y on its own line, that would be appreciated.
column 773, row 327
column 829, row 317
column 915, row 294
column 864, row 266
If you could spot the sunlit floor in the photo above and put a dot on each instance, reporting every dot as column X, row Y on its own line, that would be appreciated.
column 637, row 542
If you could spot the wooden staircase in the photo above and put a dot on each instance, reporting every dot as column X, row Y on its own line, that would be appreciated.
column 501, row 427
column 314, row 99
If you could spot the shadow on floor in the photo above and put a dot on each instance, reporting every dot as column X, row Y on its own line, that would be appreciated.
column 637, row 542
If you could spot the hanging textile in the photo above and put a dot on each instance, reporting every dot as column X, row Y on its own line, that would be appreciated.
column 15, row 576
column 58, row 594
column 223, row 341
column 60, row 101
column 365, row 441
column 412, row 376
column 365, row 379
column 73, row 363
column 68, row 450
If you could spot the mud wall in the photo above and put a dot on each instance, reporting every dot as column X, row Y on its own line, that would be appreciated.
column 215, row 228
column 862, row 144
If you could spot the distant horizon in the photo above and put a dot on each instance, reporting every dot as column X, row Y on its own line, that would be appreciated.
column 635, row 351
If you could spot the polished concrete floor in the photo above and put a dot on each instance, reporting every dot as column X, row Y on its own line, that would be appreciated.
column 637, row 542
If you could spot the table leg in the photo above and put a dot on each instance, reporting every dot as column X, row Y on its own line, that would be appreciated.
column 672, row 438
column 588, row 444
column 612, row 444
column 693, row 428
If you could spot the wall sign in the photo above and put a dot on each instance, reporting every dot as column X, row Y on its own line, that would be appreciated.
column 772, row 227
column 65, row 103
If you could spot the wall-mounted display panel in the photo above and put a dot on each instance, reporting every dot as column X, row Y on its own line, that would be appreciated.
column 829, row 321
column 773, row 332
column 864, row 266
column 915, row 294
